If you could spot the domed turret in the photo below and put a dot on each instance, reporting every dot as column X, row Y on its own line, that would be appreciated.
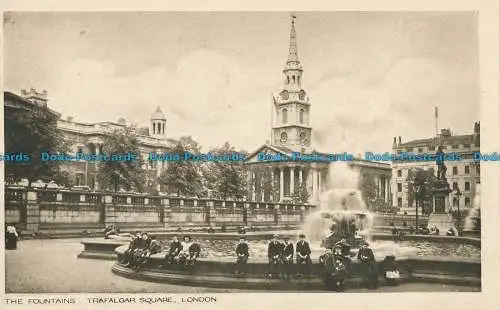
column 158, row 122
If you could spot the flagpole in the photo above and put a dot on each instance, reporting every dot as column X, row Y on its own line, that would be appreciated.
column 436, row 124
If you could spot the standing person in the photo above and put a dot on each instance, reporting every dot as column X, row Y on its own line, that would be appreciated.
column 173, row 252
column 303, row 254
column 287, row 257
column 242, row 255
column 11, row 237
column 367, row 259
column 274, row 253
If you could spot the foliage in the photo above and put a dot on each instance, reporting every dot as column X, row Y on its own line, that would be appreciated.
column 126, row 174
column 368, row 187
column 33, row 132
column 300, row 194
column 226, row 179
column 419, row 185
column 183, row 177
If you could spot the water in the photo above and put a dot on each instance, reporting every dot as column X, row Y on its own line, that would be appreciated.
column 258, row 249
column 473, row 219
column 342, row 206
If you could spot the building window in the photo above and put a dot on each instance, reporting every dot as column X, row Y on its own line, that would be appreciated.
column 409, row 149
column 455, row 186
column 478, row 169
column 455, row 170
column 298, row 80
column 467, row 146
column 288, row 80
column 420, row 150
column 467, row 186
column 293, row 79
column 467, row 170
column 301, row 116
column 400, row 202
column 400, row 187
column 467, row 201
column 285, row 116
column 400, row 173
column 454, row 146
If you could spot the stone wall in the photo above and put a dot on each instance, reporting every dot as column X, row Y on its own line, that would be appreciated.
column 36, row 210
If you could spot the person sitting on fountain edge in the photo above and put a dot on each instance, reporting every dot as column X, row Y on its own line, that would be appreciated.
column 303, row 253
column 242, row 255
column 154, row 247
column 128, row 255
column 174, row 251
column 274, row 253
column 367, row 259
column 194, row 251
column 287, row 257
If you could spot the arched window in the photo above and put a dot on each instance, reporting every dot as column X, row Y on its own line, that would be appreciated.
column 288, row 80
column 293, row 79
column 154, row 128
column 301, row 116
column 163, row 128
column 298, row 80
column 285, row 116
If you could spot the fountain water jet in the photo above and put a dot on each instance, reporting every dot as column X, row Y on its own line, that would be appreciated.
column 472, row 225
column 342, row 206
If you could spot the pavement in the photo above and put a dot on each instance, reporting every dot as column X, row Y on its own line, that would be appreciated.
column 52, row 266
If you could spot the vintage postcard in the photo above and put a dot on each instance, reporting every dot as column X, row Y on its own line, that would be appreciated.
column 282, row 155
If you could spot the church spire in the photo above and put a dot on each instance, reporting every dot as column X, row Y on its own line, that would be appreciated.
column 292, row 53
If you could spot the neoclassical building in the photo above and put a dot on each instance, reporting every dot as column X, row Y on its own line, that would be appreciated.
column 89, row 138
column 292, row 132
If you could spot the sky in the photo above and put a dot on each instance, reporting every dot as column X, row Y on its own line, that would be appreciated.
column 370, row 76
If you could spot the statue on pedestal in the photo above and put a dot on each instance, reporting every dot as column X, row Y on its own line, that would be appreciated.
column 441, row 173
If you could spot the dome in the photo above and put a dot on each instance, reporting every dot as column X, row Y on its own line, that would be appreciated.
column 158, row 115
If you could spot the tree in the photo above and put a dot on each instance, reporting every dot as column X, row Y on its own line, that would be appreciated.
column 300, row 194
column 122, row 173
column 33, row 132
column 422, row 182
column 183, row 177
column 368, row 187
column 227, row 179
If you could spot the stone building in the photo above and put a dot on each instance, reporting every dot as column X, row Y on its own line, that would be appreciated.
column 88, row 138
column 463, row 174
column 292, row 132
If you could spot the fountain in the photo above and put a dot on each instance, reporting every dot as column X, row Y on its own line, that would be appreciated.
column 472, row 226
column 341, row 210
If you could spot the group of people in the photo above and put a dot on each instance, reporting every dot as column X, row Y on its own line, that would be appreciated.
column 140, row 249
column 281, row 256
column 182, row 253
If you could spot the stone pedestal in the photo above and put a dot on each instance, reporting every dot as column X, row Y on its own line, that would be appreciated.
column 441, row 197
column 32, row 212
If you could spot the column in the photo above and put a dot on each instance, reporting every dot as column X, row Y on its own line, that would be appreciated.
column 386, row 190
column 292, row 181
column 300, row 176
column 319, row 183
column 271, row 198
column 314, row 179
column 254, row 185
column 282, row 184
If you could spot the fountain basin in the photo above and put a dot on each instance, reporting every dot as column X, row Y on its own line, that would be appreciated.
column 219, row 272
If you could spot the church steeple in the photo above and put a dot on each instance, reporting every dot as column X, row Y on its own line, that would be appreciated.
column 292, row 53
column 291, row 125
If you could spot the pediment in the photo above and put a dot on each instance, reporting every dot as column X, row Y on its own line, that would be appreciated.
column 266, row 149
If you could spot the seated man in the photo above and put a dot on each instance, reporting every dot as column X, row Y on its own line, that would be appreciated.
column 287, row 257
column 184, row 254
column 154, row 247
column 129, row 253
column 142, row 246
column 274, row 253
column 242, row 255
column 194, row 252
column 367, row 259
column 174, row 251
column 303, row 253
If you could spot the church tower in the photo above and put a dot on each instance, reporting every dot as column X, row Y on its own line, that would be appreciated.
column 291, row 108
column 158, row 122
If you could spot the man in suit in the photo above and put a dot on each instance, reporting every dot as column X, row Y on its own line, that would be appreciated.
column 367, row 259
column 287, row 257
column 174, row 250
column 304, row 253
column 274, row 254
column 242, row 255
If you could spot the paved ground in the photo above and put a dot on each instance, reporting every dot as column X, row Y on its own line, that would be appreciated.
column 51, row 266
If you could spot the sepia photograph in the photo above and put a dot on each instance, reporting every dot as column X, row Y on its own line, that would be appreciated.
column 196, row 152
